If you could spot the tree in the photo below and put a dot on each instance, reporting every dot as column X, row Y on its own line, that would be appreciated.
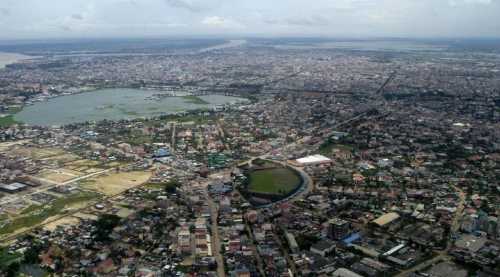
column 12, row 269
column 105, row 225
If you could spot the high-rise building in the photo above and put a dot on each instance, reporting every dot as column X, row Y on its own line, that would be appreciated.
column 338, row 229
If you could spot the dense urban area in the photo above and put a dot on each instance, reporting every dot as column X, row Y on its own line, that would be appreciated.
column 339, row 162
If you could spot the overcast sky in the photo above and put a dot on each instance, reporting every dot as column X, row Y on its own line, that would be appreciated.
column 334, row 18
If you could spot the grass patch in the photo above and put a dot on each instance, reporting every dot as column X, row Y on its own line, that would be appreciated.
column 7, row 121
column 167, row 186
column 194, row 100
column 37, row 215
column 279, row 181
column 327, row 147
column 31, row 209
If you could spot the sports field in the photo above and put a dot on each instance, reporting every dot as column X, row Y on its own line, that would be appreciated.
column 280, row 181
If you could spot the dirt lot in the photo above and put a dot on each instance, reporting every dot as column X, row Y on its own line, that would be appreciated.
column 68, row 220
column 58, row 175
column 35, row 153
column 86, row 166
column 115, row 183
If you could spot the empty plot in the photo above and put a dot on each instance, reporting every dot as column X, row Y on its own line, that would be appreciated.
column 115, row 183
column 58, row 175
column 35, row 153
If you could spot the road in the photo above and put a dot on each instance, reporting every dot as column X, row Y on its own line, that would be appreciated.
column 260, row 264
column 216, row 244
column 172, row 142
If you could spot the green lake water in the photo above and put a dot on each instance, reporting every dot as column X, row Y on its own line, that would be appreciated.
column 112, row 104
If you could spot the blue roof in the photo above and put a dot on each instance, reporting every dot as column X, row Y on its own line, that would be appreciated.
column 162, row 152
column 351, row 238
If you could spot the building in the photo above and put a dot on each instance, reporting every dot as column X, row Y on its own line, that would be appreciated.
column 343, row 272
column 469, row 223
column 338, row 229
column 323, row 247
column 184, row 241
column 13, row 188
column 386, row 219
column 162, row 153
column 313, row 160
column 292, row 243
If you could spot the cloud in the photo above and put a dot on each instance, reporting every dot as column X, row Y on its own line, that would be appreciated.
column 194, row 6
column 310, row 21
column 413, row 18
column 4, row 12
column 77, row 16
column 455, row 3
column 220, row 22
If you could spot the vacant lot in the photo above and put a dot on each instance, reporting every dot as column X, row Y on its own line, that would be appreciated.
column 280, row 181
column 37, row 214
column 116, row 183
column 36, row 153
column 67, row 220
column 58, row 176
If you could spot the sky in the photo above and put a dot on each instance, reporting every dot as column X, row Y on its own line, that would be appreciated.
column 42, row 19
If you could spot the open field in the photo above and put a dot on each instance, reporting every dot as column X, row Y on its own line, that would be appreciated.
column 67, row 220
column 327, row 147
column 35, row 153
column 63, row 158
column 84, row 166
column 278, row 181
column 115, row 183
column 37, row 214
column 58, row 176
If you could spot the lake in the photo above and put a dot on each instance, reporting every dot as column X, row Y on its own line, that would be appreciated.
column 113, row 104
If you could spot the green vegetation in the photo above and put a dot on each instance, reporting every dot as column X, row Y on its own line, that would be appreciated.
column 279, row 181
column 327, row 147
column 37, row 214
column 263, row 163
column 6, row 259
column 7, row 121
column 170, row 187
column 105, row 225
column 31, row 209
column 194, row 100
column 306, row 241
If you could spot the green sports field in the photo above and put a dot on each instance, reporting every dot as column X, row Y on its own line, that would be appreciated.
column 280, row 181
